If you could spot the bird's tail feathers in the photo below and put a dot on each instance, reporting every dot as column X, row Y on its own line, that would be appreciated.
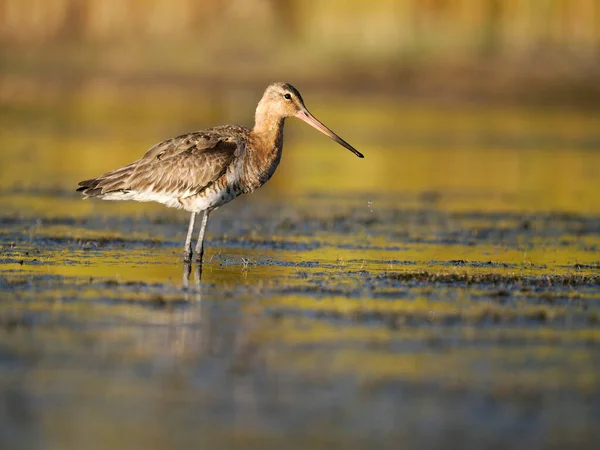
column 109, row 183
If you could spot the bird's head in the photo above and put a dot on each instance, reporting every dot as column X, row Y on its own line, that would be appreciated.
column 282, row 100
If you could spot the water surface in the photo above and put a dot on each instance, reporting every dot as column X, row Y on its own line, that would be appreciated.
column 442, row 292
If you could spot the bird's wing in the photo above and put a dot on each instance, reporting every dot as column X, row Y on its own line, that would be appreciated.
column 178, row 167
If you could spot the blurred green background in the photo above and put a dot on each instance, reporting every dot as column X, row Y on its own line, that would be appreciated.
column 440, row 95
column 443, row 49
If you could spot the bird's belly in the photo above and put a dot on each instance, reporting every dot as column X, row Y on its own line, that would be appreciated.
column 209, row 200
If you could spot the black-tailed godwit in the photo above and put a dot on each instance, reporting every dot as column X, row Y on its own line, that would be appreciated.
column 203, row 170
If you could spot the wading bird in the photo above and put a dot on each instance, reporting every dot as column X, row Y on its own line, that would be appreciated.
column 203, row 170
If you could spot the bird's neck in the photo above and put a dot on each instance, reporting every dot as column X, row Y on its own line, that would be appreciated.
column 263, row 156
column 268, row 130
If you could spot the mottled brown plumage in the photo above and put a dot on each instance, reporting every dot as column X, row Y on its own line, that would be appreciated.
column 203, row 170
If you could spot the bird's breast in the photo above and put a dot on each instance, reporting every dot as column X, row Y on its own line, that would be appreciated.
column 258, row 168
column 255, row 177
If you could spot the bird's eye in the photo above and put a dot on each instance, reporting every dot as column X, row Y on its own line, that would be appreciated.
column 287, row 96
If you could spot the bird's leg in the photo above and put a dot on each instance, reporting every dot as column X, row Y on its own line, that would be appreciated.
column 198, row 276
column 187, row 250
column 200, row 244
column 187, row 270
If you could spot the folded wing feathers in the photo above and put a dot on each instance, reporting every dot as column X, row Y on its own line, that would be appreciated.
column 178, row 167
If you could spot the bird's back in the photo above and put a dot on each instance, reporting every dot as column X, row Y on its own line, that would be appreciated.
column 175, row 170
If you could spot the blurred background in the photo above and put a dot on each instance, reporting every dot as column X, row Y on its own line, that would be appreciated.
column 429, row 90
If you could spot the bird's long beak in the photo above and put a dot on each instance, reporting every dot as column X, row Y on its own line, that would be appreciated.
column 304, row 115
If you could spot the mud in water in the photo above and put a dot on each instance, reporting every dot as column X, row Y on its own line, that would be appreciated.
column 330, row 325
column 427, row 296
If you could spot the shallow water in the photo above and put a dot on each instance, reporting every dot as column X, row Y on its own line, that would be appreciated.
column 441, row 293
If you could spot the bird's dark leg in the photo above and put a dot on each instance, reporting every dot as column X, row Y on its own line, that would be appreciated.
column 200, row 244
column 192, row 292
column 187, row 270
column 187, row 251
